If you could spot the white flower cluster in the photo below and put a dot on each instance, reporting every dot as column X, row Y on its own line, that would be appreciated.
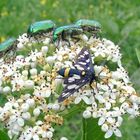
column 16, row 113
column 112, row 95
column 30, row 83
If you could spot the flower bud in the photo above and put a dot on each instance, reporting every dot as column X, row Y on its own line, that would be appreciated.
column 36, row 112
column 86, row 114
column 33, row 71
column 6, row 89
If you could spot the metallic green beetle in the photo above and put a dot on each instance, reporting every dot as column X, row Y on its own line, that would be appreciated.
column 41, row 27
column 7, row 46
column 68, row 30
column 89, row 25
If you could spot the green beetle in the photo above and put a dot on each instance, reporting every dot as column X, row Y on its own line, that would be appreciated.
column 64, row 31
column 89, row 25
column 7, row 46
column 41, row 27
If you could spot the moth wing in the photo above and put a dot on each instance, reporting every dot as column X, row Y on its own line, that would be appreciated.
column 83, row 61
column 73, row 84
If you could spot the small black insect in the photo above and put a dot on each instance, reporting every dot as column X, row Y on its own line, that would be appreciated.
column 76, row 78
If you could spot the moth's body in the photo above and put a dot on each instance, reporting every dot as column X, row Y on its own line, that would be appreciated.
column 75, row 78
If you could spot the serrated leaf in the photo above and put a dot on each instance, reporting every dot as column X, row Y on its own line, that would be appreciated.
column 91, row 130
column 3, row 135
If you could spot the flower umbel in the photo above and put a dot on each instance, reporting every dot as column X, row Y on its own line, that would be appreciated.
column 32, row 86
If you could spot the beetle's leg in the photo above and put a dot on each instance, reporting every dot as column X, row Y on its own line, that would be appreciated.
column 64, row 38
column 72, row 35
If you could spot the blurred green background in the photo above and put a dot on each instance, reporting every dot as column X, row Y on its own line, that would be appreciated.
column 120, row 21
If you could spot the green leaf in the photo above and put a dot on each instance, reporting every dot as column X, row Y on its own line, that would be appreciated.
column 79, row 136
column 3, row 99
column 3, row 135
column 138, row 53
column 91, row 130
column 136, row 80
column 72, row 111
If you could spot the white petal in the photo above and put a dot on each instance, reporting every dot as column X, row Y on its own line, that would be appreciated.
column 20, row 122
column 101, row 121
column 104, row 127
column 86, row 100
column 100, row 98
column 63, row 138
column 94, row 115
column 48, row 93
column 35, row 137
column 107, row 105
column 77, row 100
column 120, row 120
column 108, row 134
column 130, row 111
column 49, row 134
column 118, row 133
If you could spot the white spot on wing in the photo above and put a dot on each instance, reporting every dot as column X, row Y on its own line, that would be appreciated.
column 77, row 77
column 77, row 87
column 65, row 94
column 83, row 63
column 71, row 79
column 79, row 67
column 71, row 86
column 81, row 56
column 83, row 81
column 86, row 53
column 88, row 60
